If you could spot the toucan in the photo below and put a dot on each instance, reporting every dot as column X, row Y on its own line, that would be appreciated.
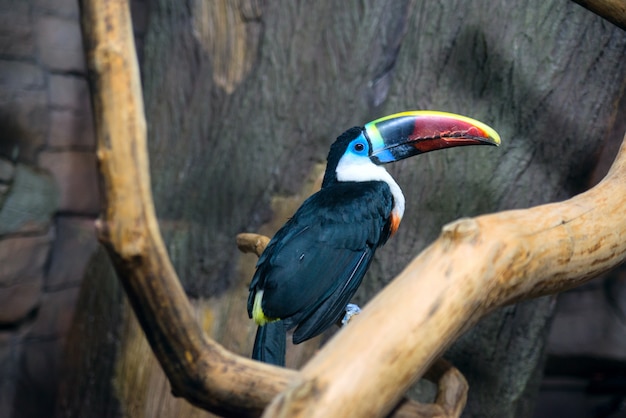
column 314, row 264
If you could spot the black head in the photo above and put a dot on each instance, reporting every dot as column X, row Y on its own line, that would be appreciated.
column 337, row 150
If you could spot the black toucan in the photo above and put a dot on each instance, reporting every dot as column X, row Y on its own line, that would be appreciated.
column 314, row 264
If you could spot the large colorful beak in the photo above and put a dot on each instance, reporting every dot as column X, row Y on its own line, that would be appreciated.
column 406, row 134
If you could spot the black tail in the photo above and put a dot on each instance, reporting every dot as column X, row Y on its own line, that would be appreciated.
column 270, row 343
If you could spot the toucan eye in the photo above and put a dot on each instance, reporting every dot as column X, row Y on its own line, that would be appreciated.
column 358, row 147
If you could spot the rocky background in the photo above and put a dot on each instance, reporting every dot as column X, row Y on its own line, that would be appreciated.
column 49, row 195
column 49, row 198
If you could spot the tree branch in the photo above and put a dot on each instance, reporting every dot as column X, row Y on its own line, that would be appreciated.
column 475, row 266
column 199, row 369
column 252, row 243
column 612, row 10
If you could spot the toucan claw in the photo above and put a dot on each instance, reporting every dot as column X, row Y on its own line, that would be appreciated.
column 351, row 310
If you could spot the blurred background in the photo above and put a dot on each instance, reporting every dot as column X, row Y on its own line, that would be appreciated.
column 243, row 99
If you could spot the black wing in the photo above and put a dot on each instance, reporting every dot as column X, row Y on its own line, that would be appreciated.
column 315, row 263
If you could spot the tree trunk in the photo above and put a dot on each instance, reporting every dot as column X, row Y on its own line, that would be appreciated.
column 243, row 100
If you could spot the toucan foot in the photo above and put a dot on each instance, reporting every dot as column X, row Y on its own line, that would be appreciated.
column 351, row 310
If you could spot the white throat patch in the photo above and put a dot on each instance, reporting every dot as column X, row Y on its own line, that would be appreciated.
column 356, row 168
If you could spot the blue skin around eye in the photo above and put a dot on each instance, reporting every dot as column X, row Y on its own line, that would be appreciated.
column 362, row 153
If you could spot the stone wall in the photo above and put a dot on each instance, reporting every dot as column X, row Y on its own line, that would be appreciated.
column 48, row 195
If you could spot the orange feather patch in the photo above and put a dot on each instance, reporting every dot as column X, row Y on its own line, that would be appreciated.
column 395, row 223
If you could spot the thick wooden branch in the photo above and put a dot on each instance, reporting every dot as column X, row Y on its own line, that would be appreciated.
column 199, row 369
column 612, row 10
column 475, row 266
column 252, row 243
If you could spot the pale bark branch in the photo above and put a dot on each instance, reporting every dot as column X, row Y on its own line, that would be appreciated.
column 252, row 243
column 198, row 368
column 475, row 266
column 612, row 10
